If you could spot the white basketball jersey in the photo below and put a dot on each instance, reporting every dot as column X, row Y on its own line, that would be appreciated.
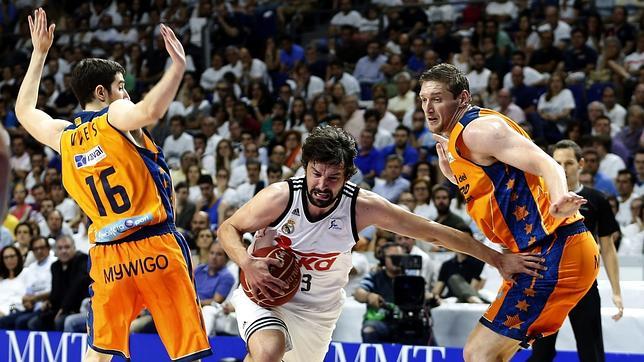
column 323, row 246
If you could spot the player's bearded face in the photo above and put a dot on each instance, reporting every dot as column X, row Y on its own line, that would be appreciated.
column 324, row 184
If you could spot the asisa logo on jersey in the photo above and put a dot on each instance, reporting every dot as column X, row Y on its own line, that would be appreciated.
column 90, row 158
column 336, row 224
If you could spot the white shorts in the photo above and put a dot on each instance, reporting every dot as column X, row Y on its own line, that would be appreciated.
column 307, row 334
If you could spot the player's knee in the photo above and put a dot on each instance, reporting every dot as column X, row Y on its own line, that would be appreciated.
column 478, row 352
column 267, row 353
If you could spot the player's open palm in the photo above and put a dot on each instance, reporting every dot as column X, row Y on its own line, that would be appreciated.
column 173, row 46
column 42, row 36
column 523, row 263
column 443, row 158
column 259, row 278
column 567, row 205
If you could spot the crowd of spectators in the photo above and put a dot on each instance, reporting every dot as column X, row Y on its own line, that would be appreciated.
column 262, row 74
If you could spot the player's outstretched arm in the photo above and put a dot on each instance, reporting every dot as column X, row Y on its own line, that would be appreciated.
column 372, row 209
column 255, row 215
column 39, row 124
column 493, row 138
column 127, row 116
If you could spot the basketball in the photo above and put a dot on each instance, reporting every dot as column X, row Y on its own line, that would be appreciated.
column 289, row 272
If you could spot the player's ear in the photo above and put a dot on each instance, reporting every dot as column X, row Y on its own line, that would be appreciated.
column 100, row 93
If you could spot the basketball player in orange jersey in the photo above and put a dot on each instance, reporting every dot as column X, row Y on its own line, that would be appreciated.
column 119, row 178
column 519, row 197
column 318, row 217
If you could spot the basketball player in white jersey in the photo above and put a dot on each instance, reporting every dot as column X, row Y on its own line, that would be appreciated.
column 318, row 217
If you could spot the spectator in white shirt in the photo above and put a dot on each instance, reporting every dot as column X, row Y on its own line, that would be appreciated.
column 609, row 163
column 502, row 10
column 405, row 99
column 214, row 73
column 555, row 107
column 37, row 276
column 346, row 16
column 19, row 161
column 177, row 142
column 382, row 137
column 479, row 76
column 11, row 283
column 508, row 108
column 307, row 86
column 560, row 28
column 635, row 60
column 388, row 122
column 615, row 111
column 253, row 69
column 350, row 83
column 625, row 184
column 68, row 207
column 531, row 76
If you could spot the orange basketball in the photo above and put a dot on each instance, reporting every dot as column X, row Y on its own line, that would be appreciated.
column 289, row 272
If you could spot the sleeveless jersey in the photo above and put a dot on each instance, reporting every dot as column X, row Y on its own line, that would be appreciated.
column 511, row 207
column 120, row 186
column 323, row 246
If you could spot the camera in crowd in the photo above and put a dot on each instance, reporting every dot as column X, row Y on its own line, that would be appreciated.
column 410, row 314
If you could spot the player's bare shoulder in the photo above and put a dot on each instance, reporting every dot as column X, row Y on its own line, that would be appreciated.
column 371, row 209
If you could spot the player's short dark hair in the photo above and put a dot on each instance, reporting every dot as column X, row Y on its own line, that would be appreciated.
column 569, row 144
column 449, row 75
column 90, row 73
column 332, row 146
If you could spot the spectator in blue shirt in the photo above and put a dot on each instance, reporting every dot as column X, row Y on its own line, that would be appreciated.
column 367, row 159
column 391, row 184
column 600, row 181
column 213, row 280
column 290, row 54
column 402, row 148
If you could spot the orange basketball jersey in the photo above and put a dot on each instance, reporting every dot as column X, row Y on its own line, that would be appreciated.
column 120, row 186
column 511, row 207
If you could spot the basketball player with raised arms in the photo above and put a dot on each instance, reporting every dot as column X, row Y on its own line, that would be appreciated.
column 318, row 217
column 119, row 178
column 519, row 197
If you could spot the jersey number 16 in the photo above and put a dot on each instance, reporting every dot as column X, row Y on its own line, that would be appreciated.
column 110, row 193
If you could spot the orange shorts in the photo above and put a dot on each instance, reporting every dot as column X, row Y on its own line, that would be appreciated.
column 529, row 307
column 154, row 272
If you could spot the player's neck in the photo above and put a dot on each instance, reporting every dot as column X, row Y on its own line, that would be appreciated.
column 95, row 106
column 576, row 187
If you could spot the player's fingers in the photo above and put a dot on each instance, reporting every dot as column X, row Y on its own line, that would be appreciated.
column 535, row 266
column 534, row 257
column 278, row 282
column 31, row 24
column 531, row 272
column 274, row 262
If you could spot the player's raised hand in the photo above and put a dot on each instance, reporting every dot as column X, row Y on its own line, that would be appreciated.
column 42, row 36
column 173, row 46
column 443, row 158
column 259, row 278
column 567, row 205
column 523, row 263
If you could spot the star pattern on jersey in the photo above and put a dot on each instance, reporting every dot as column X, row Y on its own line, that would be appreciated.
column 510, row 184
column 532, row 240
column 528, row 229
column 522, row 305
column 520, row 212
column 529, row 292
column 513, row 321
